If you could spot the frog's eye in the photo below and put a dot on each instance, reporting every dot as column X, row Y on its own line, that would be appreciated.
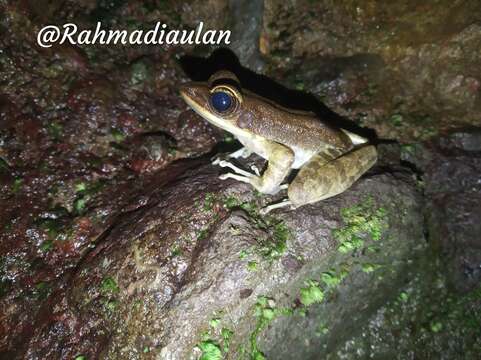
column 221, row 101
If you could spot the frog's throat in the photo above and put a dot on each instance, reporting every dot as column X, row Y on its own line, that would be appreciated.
column 214, row 119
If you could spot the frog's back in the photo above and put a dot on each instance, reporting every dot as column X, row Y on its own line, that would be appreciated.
column 291, row 127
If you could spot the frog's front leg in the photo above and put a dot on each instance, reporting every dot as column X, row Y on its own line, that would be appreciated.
column 280, row 159
column 318, row 179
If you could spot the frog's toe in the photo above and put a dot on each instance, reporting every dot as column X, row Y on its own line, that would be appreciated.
column 235, row 177
column 256, row 170
column 217, row 159
column 237, row 170
column 267, row 209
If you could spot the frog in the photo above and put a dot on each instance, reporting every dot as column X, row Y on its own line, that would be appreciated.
column 327, row 159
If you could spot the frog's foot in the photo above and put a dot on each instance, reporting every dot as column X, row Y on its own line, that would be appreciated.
column 267, row 209
column 237, row 170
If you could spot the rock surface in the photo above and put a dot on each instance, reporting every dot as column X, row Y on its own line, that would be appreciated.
column 453, row 189
column 198, row 253
column 408, row 70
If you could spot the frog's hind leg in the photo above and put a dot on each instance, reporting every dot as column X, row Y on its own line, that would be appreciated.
column 318, row 179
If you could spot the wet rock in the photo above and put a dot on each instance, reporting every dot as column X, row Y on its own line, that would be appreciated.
column 153, row 151
column 468, row 140
column 212, row 13
column 198, row 259
column 382, row 66
column 453, row 188
column 196, row 136
column 102, row 261
column 246, row 27
column 403, row 328
column 141, row 71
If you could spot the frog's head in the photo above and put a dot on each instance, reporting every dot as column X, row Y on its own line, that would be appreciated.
column 218, row 100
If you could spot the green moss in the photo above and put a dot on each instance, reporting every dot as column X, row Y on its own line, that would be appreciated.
column 55, row 130
column 311, row 293
column 396, row 120
column 4, row 168
column 17, row 185
column 80, row 357
column 210, row 350
column 403, row 296
column 111, row 305
column 362, row 221
column 117, row 135
column 322, row 329
column 109, row 286
column 331, row 279
column 139, row 73
column 42, row 290
column 79, row 205
column 231, row 202
column 369, row 267
column 215, row 344
column 252, row 265
column 46, row 246
column 176, row 251
column 273, row 246
column 53, row 227
column 436, row 326
column 265, row 313
column 202, row 234
column 214, row 322
column 353, row 243
column 226, row 339
column 209, row 202
column 80, row 187
column 85, row 192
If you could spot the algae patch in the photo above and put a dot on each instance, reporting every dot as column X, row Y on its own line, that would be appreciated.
column 215, row 342
column 362, row 221
column 270, row 247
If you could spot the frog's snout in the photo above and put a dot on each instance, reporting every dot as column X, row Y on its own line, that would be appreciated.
column 195, row 94
column 184, row 91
